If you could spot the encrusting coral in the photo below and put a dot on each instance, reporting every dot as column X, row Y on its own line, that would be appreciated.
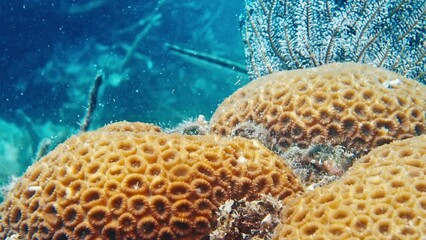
column 383, row 196
column 131, row 181
column 351, row 106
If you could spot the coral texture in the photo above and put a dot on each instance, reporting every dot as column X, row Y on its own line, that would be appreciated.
column 128, row 181
column 383, row 196
column 135, row 127
column 353, row 105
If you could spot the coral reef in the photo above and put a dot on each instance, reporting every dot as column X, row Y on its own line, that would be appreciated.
column 383, row 196
column 346, row 105
column 130, row 181
column 134, row 181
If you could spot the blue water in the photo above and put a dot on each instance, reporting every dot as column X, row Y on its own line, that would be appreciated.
column 50, row 52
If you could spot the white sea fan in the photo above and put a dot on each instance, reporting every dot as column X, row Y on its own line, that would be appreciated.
column 287, row 34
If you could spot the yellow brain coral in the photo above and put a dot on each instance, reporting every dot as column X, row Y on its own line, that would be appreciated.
column 129, row 181
column 383, row 196
column 347, row 104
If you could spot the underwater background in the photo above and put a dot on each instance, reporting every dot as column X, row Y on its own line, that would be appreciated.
column 322, row 132
column 51, row 52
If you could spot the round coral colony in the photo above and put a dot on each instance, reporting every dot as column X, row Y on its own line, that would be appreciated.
column 383, row 196
column 346, row 104
column 131, row 181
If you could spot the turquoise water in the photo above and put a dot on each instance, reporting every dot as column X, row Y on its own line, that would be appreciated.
column 51, row 52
